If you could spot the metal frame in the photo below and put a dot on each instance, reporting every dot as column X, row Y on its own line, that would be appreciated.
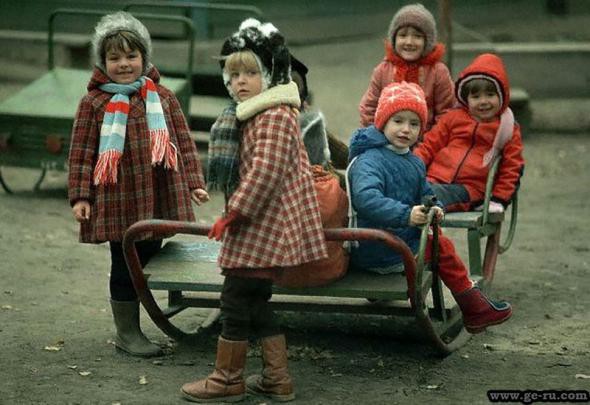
column 443, row 326
column 188, row 24
column 32, row 120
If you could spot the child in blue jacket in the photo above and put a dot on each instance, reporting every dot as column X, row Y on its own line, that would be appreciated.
column 387, row 184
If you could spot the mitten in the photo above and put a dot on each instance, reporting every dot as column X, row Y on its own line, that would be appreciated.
column 231, row 219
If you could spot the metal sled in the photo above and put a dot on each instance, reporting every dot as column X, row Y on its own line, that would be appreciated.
column 189, row 273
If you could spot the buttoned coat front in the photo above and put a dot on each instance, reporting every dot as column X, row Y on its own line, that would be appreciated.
column 142, row 191
column 276, row 193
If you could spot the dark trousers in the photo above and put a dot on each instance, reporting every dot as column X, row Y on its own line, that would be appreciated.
column 245, row 308
column 120, row 284
column 454, row 197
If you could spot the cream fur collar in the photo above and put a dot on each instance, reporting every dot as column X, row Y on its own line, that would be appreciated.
column 279, row 94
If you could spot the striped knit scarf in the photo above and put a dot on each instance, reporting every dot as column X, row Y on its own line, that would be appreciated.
column 114, row 126
column 224, row 152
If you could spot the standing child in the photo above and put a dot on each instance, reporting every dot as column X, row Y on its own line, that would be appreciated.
column 131, row 158
column 412, row 55
column 272, row 219
column 387, row 186
column 461, row 147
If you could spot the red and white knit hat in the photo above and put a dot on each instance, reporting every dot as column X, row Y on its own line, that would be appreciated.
column 400, row 97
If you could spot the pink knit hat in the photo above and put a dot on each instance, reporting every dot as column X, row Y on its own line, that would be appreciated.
column 417, row 16
column 400, row 97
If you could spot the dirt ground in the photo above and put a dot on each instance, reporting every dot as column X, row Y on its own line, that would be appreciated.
column 56, row 327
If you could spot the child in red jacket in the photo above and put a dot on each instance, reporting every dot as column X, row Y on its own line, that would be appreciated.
column 461, row 147
column 412, row 55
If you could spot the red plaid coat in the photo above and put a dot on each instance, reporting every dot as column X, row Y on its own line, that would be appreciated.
column 142, row 191
column 277, row 195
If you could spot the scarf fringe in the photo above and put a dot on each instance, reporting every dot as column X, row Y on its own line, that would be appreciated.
column 163, row 151
column 106, row 169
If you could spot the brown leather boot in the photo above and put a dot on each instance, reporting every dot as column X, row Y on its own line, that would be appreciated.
column 226, row 383
column 275, row 381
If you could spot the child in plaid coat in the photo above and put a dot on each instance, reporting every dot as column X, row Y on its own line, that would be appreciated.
column 272, row 219
column 131, row 158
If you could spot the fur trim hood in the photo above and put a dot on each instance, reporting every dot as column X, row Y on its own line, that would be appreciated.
column 280, row 94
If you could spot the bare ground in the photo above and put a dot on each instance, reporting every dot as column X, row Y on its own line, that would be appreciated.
column 56, row 327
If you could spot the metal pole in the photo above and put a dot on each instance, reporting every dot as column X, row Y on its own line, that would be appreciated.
column 445, row 30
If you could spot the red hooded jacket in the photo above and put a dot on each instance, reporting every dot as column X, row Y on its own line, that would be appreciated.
column 453, row 150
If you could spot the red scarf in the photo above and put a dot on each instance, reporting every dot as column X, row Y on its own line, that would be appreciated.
column 410, row 71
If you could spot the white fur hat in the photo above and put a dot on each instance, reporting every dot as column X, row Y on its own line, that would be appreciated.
column 111, row 24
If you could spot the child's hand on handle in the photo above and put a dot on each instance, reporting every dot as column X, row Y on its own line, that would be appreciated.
column 439, row 214
column 231, row 220
column 81, row 211
column 199, row 196
column 418, row 215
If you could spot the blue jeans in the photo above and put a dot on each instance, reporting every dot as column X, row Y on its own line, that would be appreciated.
column 451, row 195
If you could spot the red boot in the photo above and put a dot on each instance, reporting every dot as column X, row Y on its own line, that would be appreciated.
column 479, row 311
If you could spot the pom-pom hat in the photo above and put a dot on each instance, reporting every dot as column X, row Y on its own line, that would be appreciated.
column 112, row 24
column 267, row 44
column 398, row 97
column 417, row 16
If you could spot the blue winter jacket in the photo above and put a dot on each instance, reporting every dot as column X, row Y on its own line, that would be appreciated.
column 384, row 187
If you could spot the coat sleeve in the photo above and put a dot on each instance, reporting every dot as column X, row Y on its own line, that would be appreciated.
column 369, row 199
column 444, row 91
column 83, row 153
column 368, row 104
column 187, row 149
column 510, row 170
column 434, row 140
column 272, row 156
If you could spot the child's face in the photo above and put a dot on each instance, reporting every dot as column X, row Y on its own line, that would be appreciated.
column 483, row 105
column 409, row 43
column 123, row 66
column 402, row 129
column 245, row 83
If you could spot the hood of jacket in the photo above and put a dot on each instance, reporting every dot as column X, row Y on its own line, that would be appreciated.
column 486, row 66
column 364, row 139
column 99, row 77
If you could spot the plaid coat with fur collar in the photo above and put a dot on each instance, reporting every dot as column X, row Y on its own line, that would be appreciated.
column 142, row 191
column 277, row 195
